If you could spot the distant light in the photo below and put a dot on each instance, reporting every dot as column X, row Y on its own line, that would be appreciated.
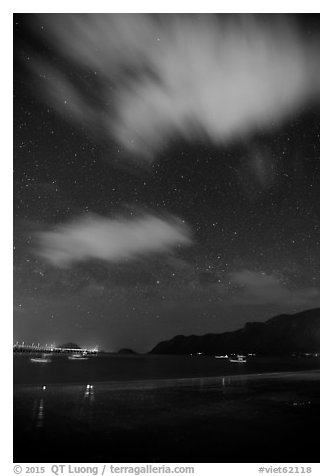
column 44, row 387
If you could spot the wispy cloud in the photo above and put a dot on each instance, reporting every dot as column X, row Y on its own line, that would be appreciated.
column 113, row 240
column 159, row 76
column 262, row 288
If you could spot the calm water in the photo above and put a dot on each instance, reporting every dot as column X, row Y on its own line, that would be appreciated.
column 139, row 367
column 121, row 418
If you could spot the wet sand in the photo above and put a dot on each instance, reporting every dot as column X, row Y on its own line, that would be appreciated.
column 271, row 417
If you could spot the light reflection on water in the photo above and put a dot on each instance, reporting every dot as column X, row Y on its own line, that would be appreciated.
column 87, row 400
column 38, row 413
column 79, row 402
column 85, row 407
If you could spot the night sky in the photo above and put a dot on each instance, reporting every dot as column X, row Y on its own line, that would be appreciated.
column 166, row 174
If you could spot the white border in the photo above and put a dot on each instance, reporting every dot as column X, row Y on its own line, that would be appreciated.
column 281, row 6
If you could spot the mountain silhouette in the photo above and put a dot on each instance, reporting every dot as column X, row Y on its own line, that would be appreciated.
column 280, row 335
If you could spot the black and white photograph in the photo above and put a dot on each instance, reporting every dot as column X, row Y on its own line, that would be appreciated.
column 166, row 214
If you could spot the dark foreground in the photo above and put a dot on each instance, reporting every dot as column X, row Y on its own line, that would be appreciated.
column 258, row 418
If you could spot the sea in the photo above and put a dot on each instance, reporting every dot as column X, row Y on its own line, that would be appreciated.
column 166, row 409
column 112, row 367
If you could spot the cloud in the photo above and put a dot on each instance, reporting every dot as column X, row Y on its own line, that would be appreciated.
column 261, row 288
column 113, row 240
column 156, row 77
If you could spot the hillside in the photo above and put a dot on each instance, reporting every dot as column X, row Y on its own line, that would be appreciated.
column 283, row 334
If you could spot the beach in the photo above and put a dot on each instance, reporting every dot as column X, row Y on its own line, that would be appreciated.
column 260, row 417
